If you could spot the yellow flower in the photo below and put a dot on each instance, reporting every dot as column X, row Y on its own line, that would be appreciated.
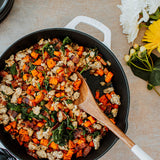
column 152, row 36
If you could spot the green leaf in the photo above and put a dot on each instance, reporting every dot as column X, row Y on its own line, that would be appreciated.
column 145, row 75
column 66, row 40
column 14, row 107
column 61, row 135
column 13, row 69
column 56, row 99
column 95, row 134
column 69, row 124
column 42, row 103
column 154, row 78
column 50, row 48
column 156, row 15
column 38, row 51
column 54, row 116
column 69, row 101
column 140, row 73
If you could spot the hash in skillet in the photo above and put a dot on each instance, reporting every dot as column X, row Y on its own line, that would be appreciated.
column 37, row 91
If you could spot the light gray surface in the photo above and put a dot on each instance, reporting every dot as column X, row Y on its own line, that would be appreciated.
column 31, row 15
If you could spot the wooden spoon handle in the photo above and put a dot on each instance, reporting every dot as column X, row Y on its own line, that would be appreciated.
column 98, row 114
column 105, row 120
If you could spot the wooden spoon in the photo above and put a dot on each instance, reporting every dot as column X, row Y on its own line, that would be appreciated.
column 87, row 102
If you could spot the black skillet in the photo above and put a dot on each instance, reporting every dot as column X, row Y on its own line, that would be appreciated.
column 119, row 80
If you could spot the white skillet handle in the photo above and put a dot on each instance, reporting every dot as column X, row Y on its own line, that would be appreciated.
column 140, row 153
column 98, row 25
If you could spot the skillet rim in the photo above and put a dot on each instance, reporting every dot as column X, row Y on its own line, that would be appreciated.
column 103, row 46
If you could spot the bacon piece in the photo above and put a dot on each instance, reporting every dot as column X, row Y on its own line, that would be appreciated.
column 108, row 108
column 78, row 133
column 75, row 59
column 26, row 100
column 14, row 84
column 86, row 151
column 59, row 44
column 40, row 68
column 55, row 40
column 90, row 129
column 36, row 46
column 24, row 87
column 12, row 113
column 3, row 73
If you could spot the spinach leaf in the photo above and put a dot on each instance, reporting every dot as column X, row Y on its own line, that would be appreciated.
column 38, row 51
column 61, row 135
column 56, row 99
column 32, row 67
column 43, row 117
column 95, row 134
column 66, row 40
column 14, row 107
column 84, row 132
column 63, row 49
column 13, row 69
column 50, row 48
column 46, row 84
column 54, row 116
column 69, row 101
column 69, row 124
column 39, row 86
column 42, row 103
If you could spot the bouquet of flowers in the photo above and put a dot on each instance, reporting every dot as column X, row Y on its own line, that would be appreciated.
column 141, row 59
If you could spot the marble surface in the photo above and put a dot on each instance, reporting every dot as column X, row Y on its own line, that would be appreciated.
column 31, row 15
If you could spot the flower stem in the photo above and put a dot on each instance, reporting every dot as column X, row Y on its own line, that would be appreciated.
column 147, row 61
column 140, row 67
column 156, row 90
column 141, row 60
column 151, row 61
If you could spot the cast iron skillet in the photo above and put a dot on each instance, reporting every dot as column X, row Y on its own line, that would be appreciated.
column 119, row 82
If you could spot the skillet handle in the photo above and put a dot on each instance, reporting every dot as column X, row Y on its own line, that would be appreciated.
column 5, row 155
column 98, row 25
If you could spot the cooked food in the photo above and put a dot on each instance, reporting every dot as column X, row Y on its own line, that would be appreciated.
column 37, row 92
